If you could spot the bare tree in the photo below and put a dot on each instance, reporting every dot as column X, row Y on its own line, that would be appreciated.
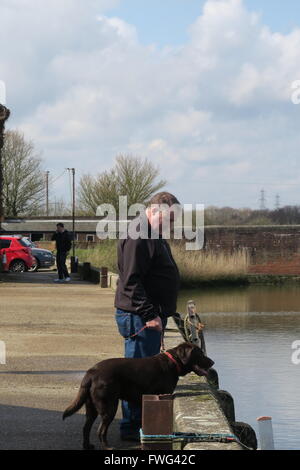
column 60, row 207
column 23, row 177
column 94, row 191
column 57, row 208
column 136, row 179
column 131, row 177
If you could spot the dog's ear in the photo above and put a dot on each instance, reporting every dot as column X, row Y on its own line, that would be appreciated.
column 184, row 352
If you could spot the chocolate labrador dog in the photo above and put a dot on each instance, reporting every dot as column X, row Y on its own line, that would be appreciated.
column 112, row 380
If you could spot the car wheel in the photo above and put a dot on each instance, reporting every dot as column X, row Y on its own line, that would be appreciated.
column 34, row 268
column 17, row 266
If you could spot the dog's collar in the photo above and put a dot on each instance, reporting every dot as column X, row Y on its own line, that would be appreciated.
column 173, row 360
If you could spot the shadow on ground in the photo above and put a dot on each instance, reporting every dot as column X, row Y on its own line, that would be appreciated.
column 25, row 428
column 41, row 277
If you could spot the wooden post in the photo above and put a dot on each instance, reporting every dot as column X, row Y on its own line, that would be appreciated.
column 157, row 419
column 103, row 277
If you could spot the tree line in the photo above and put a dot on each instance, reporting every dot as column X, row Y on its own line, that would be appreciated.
column 228, row 216
column 24, row 189
column 24, row 182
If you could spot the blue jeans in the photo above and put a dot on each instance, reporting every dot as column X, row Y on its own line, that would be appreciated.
column 145, row 344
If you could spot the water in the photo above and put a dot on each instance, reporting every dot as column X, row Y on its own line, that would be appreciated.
column 249, row 333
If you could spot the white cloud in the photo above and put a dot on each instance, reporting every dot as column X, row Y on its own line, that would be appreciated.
column 84, row 88
column 119, row 28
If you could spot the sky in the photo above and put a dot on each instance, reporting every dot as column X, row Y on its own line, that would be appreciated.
column 167, row 21
column 201, row 88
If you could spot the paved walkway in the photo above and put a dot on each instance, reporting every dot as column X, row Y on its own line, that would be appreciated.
column 53, row 334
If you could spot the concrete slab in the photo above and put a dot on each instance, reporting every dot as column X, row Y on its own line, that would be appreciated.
column 53, row 334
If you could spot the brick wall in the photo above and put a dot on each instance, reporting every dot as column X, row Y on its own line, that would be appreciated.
column 272, row 249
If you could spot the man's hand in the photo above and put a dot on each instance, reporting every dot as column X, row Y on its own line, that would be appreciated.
column 155, row 324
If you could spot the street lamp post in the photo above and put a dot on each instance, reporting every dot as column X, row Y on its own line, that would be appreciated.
column 73, row 257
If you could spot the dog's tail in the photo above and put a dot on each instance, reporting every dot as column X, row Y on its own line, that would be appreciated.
column 79, row 401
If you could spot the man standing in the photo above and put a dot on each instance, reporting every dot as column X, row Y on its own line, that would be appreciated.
column 146, row 295
column 63, row 245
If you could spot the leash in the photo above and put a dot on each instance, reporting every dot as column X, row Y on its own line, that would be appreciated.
column 162, row 344
column 136, row 334
column 185, row 438
column 188, row 437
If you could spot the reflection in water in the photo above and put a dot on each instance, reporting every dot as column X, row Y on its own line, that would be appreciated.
column 249, row 334
column 244, row 299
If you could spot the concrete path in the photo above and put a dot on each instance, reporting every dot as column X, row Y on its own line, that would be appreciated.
column 53, row 334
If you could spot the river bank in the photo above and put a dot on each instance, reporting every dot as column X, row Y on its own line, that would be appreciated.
column 197, row 269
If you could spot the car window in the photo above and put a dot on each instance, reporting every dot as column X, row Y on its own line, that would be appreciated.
column 25, row 242
column 4, row 243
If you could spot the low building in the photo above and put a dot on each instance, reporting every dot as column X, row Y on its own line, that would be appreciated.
column 41, row 229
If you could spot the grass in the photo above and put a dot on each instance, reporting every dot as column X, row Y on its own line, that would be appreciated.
column 100, row 254
column 195, row 267
column 205, row 267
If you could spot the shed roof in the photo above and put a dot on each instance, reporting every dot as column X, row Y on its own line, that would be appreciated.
column 48, row 226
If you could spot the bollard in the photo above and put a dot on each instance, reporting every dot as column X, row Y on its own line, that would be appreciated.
column 213, row 378
column 157, row 419
column 86, row 269
column 226, row 403
column 74, row 264
column 265, row 431
column 245, row 433
column 103, row 277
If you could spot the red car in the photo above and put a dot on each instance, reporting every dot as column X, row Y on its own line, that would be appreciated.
column 15, row 254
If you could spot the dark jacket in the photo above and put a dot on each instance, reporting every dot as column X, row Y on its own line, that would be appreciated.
column 148, row 278
column 63, row 241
